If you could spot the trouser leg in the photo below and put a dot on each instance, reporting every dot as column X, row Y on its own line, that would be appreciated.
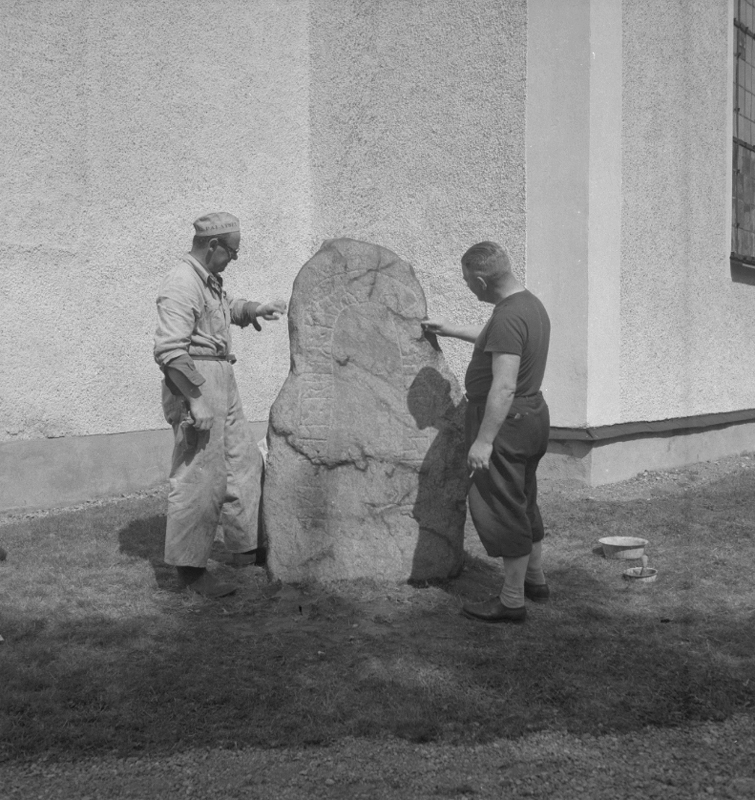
column 535, row 574
column 503, row 499
column 243, row 463
column 197, row 477
column 497, row 504
column 540, row 435
column 498, row 501
column 530, row 492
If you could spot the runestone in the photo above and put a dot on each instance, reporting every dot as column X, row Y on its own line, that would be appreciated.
column 366, row 468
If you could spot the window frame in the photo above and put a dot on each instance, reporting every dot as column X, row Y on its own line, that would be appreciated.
column 743, row 136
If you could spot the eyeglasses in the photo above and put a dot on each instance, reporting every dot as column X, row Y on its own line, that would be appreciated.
column 232, row 254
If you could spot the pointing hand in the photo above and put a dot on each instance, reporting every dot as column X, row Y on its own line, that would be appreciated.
column 272, row 310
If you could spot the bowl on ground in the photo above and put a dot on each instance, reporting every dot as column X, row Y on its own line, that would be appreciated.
column 640, row 574
column 623, row 546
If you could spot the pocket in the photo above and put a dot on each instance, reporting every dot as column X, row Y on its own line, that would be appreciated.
column 514, row 435
column 519, row 409
column 214, row 318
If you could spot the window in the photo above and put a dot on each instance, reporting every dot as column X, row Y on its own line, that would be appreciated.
column 743, row 184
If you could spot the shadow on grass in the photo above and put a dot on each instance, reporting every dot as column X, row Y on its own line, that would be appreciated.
column 311, row 665
column 324, row 668
column 145, row 539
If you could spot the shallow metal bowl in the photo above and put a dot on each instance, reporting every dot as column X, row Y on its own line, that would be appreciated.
column 640, row 574
column 623, row 546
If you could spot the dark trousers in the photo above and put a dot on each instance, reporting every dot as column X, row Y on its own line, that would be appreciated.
column 503, row 499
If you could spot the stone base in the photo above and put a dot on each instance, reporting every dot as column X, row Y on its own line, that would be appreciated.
column 341, row 524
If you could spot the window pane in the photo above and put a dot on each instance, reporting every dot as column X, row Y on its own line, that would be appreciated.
column 743, row 155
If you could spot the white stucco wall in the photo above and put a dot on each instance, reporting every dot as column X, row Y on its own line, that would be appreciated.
column 574, row 200
column 397, row 122
column 417, row 124
column 687, row 334
column 123, row 121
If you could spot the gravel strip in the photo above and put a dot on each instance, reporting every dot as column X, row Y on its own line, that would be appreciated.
column 20, row 514
column 711, row 760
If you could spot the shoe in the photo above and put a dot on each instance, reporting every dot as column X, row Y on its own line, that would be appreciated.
column 537, row 592
column 202, row 582
column 256, row 556
column 494, row 610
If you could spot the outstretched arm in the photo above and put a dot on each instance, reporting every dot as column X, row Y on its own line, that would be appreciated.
column 246, row 312
column 443, row 327
column 272, row 309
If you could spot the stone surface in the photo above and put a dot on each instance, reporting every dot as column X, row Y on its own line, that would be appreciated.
column 366, row 472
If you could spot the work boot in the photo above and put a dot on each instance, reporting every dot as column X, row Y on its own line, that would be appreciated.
column 256, row 556
column 537, row 592
column 202, row 582
column 494, row 610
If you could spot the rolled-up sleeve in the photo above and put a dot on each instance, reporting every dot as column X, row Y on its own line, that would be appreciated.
column 243, row 312
column 179, row 304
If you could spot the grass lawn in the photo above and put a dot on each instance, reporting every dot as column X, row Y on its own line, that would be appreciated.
column 103, row 654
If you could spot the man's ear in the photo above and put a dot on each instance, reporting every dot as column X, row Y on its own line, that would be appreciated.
column 482, row 283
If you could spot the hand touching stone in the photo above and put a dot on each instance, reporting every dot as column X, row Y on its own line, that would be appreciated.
column 440, row 326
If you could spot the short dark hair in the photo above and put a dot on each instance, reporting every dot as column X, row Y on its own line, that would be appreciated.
column 487, row 260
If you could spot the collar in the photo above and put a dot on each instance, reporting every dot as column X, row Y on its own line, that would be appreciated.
column 213, row 281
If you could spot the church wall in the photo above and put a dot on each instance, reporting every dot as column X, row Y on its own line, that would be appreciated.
column 417, row 115
column 124, row 121
column 687, row 339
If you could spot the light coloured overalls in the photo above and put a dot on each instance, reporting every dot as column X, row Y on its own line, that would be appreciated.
column 216, row 475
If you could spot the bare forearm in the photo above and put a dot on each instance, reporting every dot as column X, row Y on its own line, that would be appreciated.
column 442, row 327
column 496, row 410
column 500, row 397
column 467, row 333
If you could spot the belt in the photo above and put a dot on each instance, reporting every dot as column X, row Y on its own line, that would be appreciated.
column 482, row 400
column 230, row 358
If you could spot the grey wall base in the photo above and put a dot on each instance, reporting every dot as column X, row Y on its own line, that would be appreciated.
column 619, row 459
column 52, row 473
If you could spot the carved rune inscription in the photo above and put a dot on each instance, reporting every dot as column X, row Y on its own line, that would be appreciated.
column 354, row 389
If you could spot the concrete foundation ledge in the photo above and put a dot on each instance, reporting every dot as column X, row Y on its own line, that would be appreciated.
column 54, row 473
column 620, row 454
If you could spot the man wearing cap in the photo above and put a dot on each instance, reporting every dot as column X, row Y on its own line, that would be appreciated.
column 216, row 472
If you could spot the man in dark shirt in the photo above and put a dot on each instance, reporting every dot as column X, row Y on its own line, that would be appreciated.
column 507, row 427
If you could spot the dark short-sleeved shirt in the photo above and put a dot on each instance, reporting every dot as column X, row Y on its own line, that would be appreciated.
column 518, row 325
